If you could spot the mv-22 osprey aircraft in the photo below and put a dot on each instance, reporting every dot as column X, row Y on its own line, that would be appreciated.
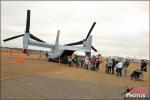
column 57, row 50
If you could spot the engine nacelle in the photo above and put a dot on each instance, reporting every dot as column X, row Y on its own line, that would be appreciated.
column 26, row 40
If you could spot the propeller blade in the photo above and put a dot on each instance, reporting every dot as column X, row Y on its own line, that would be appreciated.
column 14, row 37
column 94, row 49
column 76, row 43
column 28, row 22
column 90, row 31
column 35, row 38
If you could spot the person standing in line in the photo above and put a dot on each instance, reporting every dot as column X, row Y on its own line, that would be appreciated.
column 116, row 62
column 113, row 65
column 119, row 68
column 73, row 60
column 82, row 61
column 97, row 64
column 86, row 63
column 125, row 67
column 93, row 68
column 69, row 60
column 143, row 68
column 89, row 63
column 98, row 61
column 78, row 61
column 109, row 65
column 106, row 66
column 65, row 59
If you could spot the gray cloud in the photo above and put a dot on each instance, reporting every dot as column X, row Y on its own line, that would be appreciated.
column 122, row 27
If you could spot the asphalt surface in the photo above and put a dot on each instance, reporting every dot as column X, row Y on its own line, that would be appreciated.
column 40, row 87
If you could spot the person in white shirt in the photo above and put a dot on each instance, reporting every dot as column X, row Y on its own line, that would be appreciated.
column 119, row 67
column 86, row 63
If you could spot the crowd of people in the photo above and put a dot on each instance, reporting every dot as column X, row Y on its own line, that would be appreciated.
column 117, row 66
column 88, row 63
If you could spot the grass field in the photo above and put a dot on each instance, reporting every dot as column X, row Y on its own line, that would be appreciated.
column 38, row 79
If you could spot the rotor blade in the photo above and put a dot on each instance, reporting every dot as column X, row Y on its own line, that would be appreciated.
column 28, row 22
column 90, row 31
column 35, row 38
column 11, row 38
column 94, row 49
column 76, row 43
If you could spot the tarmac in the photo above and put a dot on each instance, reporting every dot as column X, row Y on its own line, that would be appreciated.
column 38, row 79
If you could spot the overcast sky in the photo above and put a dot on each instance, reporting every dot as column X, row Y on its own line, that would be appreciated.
column 122, row 27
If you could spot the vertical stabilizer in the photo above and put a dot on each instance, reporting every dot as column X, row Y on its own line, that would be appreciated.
column 57, row 40
column 88, row 45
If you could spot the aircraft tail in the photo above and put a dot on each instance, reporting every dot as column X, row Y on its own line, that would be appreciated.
column 57, row 40
column 88, row 44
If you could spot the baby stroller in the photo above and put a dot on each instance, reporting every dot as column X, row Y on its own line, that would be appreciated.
column 136, row 74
